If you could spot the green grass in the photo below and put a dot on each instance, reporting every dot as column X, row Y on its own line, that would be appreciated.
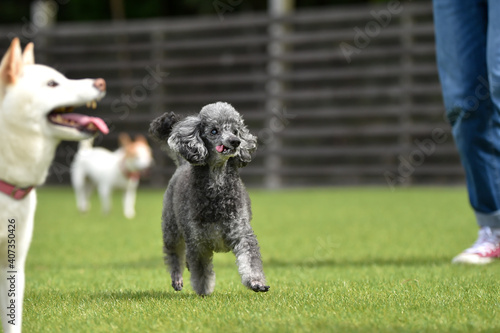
column 337, row 260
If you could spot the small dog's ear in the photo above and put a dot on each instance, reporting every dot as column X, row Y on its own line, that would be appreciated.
column 161, row 127
column 124, row 139
column 247, row 147
column 185, row 140
column 140, row 138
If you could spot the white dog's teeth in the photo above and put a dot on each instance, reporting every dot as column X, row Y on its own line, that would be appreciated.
column 91, row 127
column 88, row 104
column 94, row 104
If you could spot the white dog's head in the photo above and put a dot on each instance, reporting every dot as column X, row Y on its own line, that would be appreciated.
column 39, row 99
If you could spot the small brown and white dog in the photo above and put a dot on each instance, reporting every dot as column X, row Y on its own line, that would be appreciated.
column 107, row 170
column 36, row 113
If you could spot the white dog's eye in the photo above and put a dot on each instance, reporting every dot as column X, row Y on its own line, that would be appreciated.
column 214, row 131
column 52, row 83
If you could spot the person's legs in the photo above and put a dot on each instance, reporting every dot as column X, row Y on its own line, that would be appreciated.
column 492, row 219
column 461, row 28
column 461, row 45
column 485, row 195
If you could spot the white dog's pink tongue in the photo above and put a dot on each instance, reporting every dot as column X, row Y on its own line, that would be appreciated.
column 220, row 148
column 90, row 123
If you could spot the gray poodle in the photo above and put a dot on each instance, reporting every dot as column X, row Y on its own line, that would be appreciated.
column 206, row 208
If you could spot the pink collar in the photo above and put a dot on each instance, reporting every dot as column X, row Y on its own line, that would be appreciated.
column 14, row 191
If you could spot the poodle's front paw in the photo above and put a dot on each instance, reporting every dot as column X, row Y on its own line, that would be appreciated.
column 177, row 284
column 259, row 286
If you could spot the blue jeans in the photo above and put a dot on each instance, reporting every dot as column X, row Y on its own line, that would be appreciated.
column 468, row 57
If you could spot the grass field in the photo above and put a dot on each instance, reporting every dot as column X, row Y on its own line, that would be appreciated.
column 337, row 260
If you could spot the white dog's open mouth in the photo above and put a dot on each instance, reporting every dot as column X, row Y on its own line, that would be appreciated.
column 63, row 116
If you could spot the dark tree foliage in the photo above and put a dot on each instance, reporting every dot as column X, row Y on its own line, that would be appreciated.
column 18, row 11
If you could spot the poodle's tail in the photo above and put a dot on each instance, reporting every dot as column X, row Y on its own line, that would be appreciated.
column 160, row 130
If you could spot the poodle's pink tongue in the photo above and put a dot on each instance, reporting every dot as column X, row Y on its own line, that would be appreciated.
column 220, row 148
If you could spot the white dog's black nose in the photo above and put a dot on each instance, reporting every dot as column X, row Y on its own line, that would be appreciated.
column 100, row 84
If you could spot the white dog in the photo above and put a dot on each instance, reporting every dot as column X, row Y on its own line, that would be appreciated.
column 108, row 170
column 36, row 104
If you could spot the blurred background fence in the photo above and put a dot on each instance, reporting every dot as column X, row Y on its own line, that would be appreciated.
column 337, row 96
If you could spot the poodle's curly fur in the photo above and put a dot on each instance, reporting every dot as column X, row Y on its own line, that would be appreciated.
column 206, row 208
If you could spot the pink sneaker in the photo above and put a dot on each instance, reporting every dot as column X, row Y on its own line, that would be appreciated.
column 484, row 250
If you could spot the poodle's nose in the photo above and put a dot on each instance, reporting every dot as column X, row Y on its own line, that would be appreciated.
column 235, row 142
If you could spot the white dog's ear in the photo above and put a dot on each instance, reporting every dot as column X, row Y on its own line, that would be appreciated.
column 12, row 63
column 29, row 54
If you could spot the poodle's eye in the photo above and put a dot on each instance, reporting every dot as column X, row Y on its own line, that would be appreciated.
column 235, row 132
column 214, row 131
column 52, row 84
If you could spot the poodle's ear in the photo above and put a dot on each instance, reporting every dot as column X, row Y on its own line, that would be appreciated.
column 185, row 140
column 161, row 127
column 247, row 147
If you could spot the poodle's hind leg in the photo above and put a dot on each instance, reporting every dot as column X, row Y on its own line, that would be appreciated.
column 201, row 268
column 174, row 248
